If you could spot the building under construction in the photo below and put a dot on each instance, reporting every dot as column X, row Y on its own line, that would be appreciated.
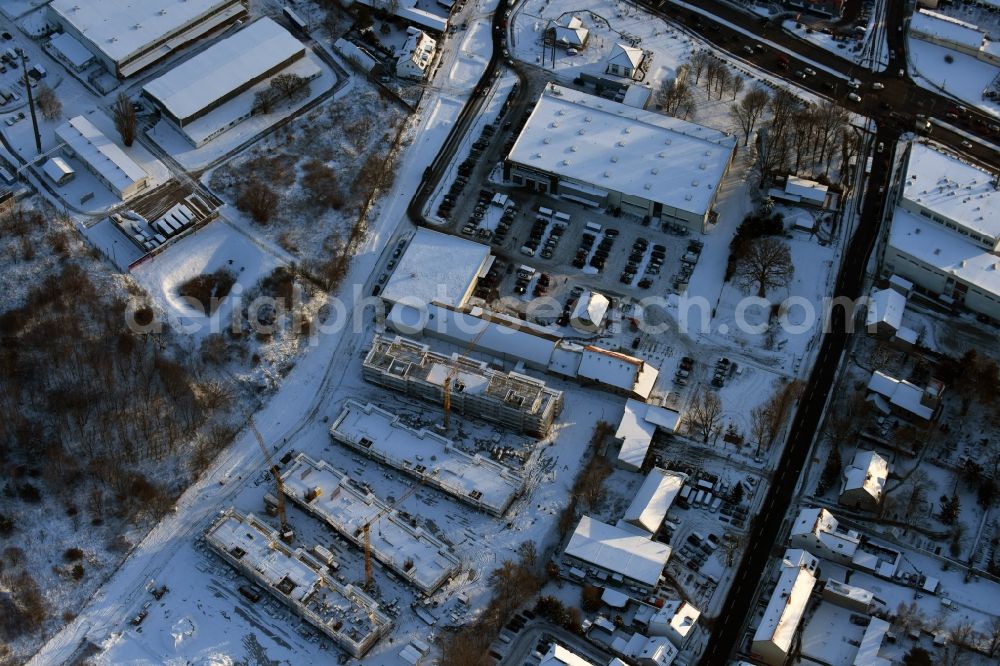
column 432, row 459
column 420, row 558
column 344, row 613
column 511, row 399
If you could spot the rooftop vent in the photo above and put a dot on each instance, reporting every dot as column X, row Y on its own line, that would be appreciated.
column 694, row 183
column 546, row 140
column 572, row 149
column 587, row 119
column 581, row 131
column 647, row 186
column 565, row 162
column 654, row 171
column 621, row 144
column 614, row 158
column 607, row 174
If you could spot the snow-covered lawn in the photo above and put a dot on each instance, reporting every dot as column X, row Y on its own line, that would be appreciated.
column 965, row 78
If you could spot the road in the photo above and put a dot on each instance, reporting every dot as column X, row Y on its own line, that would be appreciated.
column 897, row 104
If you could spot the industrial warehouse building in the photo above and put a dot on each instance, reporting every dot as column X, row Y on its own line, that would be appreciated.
column 102, row 157
column 624, row 555
column 128, row 36
column 945, row 232
column 610, row 155
column 194, row 89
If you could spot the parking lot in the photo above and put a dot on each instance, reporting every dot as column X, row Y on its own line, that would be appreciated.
column 12, row 94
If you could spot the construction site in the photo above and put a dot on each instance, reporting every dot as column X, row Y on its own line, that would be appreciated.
column 463, row 384
column 370, row 523
column 300, row 580
column 428, row 457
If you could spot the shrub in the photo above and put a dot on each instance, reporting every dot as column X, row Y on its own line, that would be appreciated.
column 207, row 290
column 78, row 571
column 73, row 554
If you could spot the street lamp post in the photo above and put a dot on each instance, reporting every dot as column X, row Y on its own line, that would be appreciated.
column 31, row 104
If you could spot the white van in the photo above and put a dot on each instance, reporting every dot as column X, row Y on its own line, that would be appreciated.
column 594, row 227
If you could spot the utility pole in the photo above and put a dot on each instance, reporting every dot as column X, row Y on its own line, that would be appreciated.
column 31, row 104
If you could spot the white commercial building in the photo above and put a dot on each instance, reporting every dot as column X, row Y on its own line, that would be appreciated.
column 194, row 89
column 634, row 558
column 437, row 267
column 606, row 154
column 347, row 615
column 129, row 35
column 102, row 157
column 411, row 553
column 636, row 429
column 772, row 641
column 416, row 55
column 71, row 51
column 655, row 497
column 953, row 33
column 474, row 479
column 817, row 531
column 864, row 481
column 848, row 596
column 945, row 232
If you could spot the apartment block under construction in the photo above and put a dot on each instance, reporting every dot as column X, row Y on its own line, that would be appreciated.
column 511, row 399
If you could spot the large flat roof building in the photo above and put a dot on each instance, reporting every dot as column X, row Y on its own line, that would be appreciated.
column 604, row 153
column 656, row 495
column 437, row 267
column 635, row 558
column 435, row 460
column 417, row 557
column 225, row 69
column 344, row 613
column 130, row 35
column 945, row 231
column 103, row 157
column 512, row 399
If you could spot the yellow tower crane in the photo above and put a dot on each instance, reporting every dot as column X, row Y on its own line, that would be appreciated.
column 366, row 530
column 279, row 490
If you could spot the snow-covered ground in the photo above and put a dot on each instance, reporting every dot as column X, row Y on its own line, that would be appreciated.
column 868, row 49
column 965, row 78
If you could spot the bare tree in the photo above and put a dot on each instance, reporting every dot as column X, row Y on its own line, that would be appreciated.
column 722, row 81
column 697, row 63
column 914, row 494
column 675, row 96
column 704, row 414
column 748, row 110
column 258, row 199
column 48, row 104
column 124, row 116
column 993, row 636
column 737, row 85
column 760, row 426
column 766, row 263
column 713, row 70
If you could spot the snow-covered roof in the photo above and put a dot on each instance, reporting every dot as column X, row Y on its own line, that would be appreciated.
column 953, row 189
column 868, row 472
column 945, row 250
column 788, row 601
column 103, row 155
column 809, row 190
column 849, row 592
column 418, row 49
column 411, row 553
column 629, row 57
column 945, row 28
column 571, row 32
column 677, row 615
column 493, row 333
column 591, row 308
column 437, row 267
column 614, row 598
column 619, row 370
column 616, row 147
column 657, row 650
column 636, row 429
column 224, row 68
column 121, row 28
column 871, row 643
column 886, row 306
column 560, row 656
column 613, row 549
column 656, row 494
column 825, row 527
column 56, row 168
column 902, row 394
column 360, row 56
column 70, row 48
